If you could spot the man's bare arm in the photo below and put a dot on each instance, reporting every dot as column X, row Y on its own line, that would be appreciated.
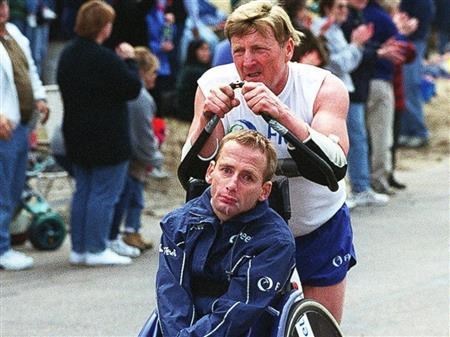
column 330, row 111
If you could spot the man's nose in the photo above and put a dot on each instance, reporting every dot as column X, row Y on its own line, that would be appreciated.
column 248, row 58
column 232, row 183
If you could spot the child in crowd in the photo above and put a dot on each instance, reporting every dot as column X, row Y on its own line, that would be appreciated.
column 197, row 62
column 145, row 152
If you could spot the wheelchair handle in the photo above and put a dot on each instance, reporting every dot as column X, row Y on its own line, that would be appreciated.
column 322, row 165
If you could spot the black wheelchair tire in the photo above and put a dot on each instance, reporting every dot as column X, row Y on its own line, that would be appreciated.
column 321, row 321
column 47, row 231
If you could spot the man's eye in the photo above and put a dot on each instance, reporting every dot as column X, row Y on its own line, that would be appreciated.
column 248, row 178
column 226, row 170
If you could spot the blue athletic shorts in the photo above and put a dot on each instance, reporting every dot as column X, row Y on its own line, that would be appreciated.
column 325, row 255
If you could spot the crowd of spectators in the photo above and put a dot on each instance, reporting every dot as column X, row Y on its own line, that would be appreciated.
column 376, row 47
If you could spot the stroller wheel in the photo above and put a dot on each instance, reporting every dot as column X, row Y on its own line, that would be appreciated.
column 308, row 317
column 47, row 231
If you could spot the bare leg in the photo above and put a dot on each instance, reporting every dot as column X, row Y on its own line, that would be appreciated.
column 332, row 297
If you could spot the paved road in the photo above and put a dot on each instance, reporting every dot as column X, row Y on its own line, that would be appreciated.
column 399, row 288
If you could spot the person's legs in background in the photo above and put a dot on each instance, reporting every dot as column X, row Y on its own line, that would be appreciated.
column 97, row 192
column 380, row 118
column 396, row 133
column 115, row 242
column 82, row 178
column 13, row 161
column 414, row 132
column 358, row 161
column 107, row 183
column 132, row 236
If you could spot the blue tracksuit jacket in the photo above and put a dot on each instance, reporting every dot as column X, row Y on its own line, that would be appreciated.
column 216, row 279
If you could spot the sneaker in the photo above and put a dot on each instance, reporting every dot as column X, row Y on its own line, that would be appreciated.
column 123, row 249
column 77, row 258
column 14, row 260
column 136, row 240
column 412, row 141
column 158, row 173
column 416, row 142
column 32, row 21
column 367, row 198
column 107, row 257
column 48, row 14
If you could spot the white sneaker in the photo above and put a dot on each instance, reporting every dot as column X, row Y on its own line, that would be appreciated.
column 32, row 21
column 77, row 258
column 367, row 198
column 123, row 249
column 107, row 257
column 48, row 14
column 14, row 260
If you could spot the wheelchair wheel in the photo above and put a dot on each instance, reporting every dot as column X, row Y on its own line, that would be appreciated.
column 47, row 231
column 309, row 318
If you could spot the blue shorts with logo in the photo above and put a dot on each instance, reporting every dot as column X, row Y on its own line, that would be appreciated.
column 325, row 255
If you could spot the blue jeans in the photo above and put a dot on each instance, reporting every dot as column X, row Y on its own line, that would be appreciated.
column 96, row 195
column 131, row 203
column 13, row 164
column 358, row 154
column 413, row 122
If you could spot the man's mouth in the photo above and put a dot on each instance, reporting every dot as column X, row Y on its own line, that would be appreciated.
column 252, row 75
column 229, row 200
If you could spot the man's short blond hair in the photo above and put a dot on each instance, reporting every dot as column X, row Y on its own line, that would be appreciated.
column 255, row 140
column 258, row 16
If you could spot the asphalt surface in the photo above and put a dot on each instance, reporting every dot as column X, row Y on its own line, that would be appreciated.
column 400, row 286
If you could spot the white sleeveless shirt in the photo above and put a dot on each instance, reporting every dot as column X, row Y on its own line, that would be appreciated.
column 312, row 204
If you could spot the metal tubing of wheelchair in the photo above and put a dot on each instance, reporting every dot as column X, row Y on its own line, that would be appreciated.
column 321, row 164
column 188, row 163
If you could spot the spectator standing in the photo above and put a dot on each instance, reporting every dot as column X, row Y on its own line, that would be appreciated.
column 405, row 26
column 313, row 49
column 197, row 62
column 380, row 103
column 33, row 18
column 161, row 42
column 95, row 85
column 68, row 15
column 344, row 57
column 203, row 21
column 358, row 157
column 442, row 25
column 21, row 92
column 144, row 152
column 413, row 129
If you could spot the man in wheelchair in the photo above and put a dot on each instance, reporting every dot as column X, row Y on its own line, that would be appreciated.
column 225, row 256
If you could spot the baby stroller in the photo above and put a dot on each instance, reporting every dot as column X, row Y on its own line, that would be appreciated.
column 293, row 315
column 35, row 220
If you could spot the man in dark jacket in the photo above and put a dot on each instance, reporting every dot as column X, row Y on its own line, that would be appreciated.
column 95, row 84
column 225, row 256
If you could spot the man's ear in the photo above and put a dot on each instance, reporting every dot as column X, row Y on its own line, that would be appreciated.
column 289, row 49
column 209, row 171
column 266, row 189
